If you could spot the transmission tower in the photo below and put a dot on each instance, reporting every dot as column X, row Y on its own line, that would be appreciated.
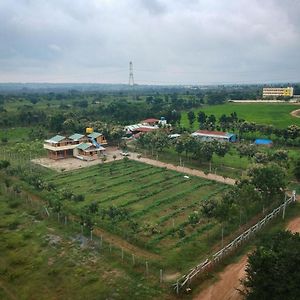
column 131, row 80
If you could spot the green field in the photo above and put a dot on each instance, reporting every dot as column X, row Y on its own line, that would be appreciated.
column 157, row 203
column 262, row 113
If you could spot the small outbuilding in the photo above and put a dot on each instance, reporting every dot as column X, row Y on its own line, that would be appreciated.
column 263, row 142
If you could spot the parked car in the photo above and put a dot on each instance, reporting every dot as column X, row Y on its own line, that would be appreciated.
column 125, row 154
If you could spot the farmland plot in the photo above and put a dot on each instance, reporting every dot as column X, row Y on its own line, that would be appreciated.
column 148, row 206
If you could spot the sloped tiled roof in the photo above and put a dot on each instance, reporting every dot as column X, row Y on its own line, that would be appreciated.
column 76, row 136
column 150, row 120
column 94, row 135
column 84, row 146
column 56, row 139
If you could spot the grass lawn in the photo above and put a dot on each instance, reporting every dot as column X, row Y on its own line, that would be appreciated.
column 262, row 113
column 42, row 260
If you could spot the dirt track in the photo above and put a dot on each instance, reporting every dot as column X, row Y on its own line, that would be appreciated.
column 185, row 170
column 229, row 280
column 295, row 113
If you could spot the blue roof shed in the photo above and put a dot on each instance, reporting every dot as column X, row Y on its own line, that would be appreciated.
column 263, row 142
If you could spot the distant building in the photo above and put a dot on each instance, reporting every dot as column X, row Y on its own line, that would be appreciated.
column 207, row 135
column 145, row 126
column 278, row 92
column 150, row 122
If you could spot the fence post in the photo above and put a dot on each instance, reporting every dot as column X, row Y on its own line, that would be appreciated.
column 222, row 236
column 147, row 268
column 161, row 276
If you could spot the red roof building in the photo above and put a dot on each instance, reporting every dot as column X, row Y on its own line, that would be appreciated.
column 150, row 121
column 207, row 135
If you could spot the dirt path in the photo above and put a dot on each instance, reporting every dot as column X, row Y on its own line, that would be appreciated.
column 185, row 170
column 229, row 280
column 295, row 113
column 119, row 242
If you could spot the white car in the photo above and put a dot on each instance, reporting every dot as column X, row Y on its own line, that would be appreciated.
column 125, row 154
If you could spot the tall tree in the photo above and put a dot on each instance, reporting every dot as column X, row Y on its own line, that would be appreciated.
column 191, row 117
column 201, row 118
column 269, row 179
column 273, row 269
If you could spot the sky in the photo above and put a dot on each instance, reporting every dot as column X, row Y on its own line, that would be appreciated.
column 168, row 41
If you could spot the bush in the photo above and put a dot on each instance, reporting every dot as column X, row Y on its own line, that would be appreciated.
column 4, row 164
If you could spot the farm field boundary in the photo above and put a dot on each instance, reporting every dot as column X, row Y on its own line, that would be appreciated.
column 185, row 280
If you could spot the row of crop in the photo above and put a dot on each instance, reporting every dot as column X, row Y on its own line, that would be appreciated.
column 171, row 198
column 154, row 192
column 190, row 237
column 197, row 232
column 165, row 234
column 174, row 213
column 96, row 173
column 182, row 225
column 116, row 183
column 141, row 187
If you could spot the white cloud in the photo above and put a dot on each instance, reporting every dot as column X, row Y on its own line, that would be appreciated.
column 172, row 41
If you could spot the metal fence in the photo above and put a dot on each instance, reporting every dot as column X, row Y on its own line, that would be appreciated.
column 185, row 280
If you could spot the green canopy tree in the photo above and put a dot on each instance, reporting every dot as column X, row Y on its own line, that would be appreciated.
column 297, row 169
column 273, row 268
column 269, row 179
column 191, row 116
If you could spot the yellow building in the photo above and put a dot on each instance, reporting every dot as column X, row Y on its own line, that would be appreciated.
column 278, row 92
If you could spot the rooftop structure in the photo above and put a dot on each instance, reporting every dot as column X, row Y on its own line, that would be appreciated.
column 147, row 125
column 150, row 121
column 76, row 137
column 207, row 135
column 139, row 128
column 97, row 137
column 56, row 139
